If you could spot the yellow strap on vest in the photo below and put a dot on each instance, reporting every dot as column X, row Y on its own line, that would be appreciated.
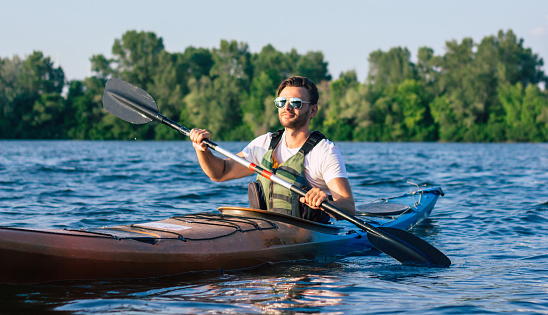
column 274, row 162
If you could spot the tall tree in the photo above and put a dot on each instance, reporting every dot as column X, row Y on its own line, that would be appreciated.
column 392, row 67
column 233, row 59
column 428, row 68
column 84, row 102
column 525, row 112
column 169, row 87
column 47, row 117
column 10, row 70
column 412, row 100
column 258, row 110
column 340, row 107
column 231, row 75
column 459, row 80
column 270, row 68
column 313, row 66
column 39, row 106
column 214, row 105
column 197, row 62
column 135, row 58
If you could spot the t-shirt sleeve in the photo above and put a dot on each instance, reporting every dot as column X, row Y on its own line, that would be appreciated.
column 257, row 148
column 331, row 163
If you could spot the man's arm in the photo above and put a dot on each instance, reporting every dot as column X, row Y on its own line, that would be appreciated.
column 341, row 192
column 217, row 169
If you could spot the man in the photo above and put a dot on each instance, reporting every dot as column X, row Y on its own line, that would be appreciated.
column 295, row 153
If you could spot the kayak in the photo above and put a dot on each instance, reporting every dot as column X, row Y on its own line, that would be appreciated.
column 234, row 238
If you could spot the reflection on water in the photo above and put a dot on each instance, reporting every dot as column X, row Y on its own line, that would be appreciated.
column 254, row 291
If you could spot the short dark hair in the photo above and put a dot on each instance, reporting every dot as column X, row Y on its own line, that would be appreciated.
column 303, row 82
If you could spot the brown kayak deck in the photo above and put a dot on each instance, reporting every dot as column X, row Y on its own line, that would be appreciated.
column 236, row 239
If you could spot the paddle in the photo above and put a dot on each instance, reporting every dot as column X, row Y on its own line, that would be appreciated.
column 134, row 105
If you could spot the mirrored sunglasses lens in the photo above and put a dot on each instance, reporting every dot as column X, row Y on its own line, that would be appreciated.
column 296, row 103
column 280, row 102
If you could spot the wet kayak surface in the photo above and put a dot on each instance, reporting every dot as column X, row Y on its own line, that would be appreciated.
column 492, row 223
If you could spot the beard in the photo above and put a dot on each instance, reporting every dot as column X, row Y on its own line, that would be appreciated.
column 297, row 122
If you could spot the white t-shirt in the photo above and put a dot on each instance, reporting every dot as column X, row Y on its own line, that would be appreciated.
column 321, row 165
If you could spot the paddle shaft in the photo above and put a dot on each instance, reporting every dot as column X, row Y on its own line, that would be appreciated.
column 134, row 105
column 269, row 175
column 155, row 115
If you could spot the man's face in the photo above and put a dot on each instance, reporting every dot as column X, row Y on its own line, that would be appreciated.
column 293, row 118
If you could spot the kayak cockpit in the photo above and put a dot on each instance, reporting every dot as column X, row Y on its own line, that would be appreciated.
column 268, row 215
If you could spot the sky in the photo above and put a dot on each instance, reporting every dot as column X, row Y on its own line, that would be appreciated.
column 346, row 31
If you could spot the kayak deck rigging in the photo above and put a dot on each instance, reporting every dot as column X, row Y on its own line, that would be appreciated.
column 235, row 224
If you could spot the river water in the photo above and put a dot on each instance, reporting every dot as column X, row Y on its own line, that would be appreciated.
column 492, row 223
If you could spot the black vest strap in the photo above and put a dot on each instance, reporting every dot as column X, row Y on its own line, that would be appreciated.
column 276, row 137
column 311, row 142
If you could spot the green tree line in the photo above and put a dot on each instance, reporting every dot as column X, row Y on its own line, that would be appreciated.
column 489, row 91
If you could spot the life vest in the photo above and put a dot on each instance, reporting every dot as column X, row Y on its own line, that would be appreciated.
column 266, row 195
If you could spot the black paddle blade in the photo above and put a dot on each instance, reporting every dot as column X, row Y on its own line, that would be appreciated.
column 128, row 102
column 408, row 248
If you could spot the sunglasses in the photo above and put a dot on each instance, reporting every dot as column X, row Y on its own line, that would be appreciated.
column 294, row 102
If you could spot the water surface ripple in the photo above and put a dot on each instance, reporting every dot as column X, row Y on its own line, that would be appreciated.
column 492, row 223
